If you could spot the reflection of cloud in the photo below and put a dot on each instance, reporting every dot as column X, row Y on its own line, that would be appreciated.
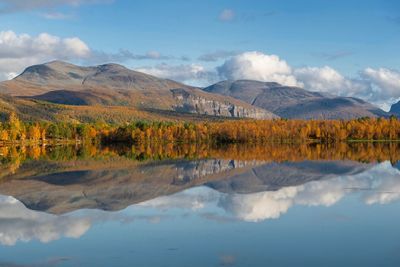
column 17, row 223
column 257, row 206
column 193, row 199
column 380, row 184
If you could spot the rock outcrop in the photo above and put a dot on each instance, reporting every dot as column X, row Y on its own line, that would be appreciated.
column 188, row 102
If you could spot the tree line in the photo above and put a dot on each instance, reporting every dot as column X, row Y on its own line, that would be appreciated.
column 237, row 131
column 258, row 131
column 17, row 131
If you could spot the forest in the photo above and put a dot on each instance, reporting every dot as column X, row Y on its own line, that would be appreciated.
column 217, row 132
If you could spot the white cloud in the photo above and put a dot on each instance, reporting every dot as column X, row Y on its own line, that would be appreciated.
column 193, row 74
column 379, row 86
column 226, row 15
column 258, row 66
column 386, row 82
column 329, row 80
column 320, row 79
column 17, row 51
column 75, row 46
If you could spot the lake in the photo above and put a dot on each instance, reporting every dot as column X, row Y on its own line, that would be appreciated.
column 200, row 205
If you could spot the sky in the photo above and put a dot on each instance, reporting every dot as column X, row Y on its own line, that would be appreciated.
column 343, row 47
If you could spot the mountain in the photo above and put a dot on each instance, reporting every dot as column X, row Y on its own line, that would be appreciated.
column 395, row 109
column 114, row 85
column 294, row 102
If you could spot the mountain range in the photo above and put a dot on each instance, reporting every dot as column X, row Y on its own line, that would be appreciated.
column 62, row 91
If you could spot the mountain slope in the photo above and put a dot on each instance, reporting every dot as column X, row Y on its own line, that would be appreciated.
column 114, row 85
column 395, row 109
column 294, row 102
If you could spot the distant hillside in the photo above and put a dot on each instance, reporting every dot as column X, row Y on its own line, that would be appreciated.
column 395, row 109
column 114, row 85
column 59, row 90
column 294, row 102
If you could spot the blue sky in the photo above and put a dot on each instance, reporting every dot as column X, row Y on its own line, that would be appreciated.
column 349, row 36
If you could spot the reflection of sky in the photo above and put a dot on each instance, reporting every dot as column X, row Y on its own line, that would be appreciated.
column 379, row 185
column 215, row 222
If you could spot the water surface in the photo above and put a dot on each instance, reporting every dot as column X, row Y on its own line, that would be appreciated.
column 276, row 205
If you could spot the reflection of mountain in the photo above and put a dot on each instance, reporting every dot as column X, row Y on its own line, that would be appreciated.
column 114, row 188
column 378, row 184
column 273, row 176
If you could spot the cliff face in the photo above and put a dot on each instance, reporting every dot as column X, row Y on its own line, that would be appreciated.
column 192, row 103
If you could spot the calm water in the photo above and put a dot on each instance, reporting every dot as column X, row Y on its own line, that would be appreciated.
column 286, row 205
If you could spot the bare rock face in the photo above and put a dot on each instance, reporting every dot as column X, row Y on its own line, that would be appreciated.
column 192, row 103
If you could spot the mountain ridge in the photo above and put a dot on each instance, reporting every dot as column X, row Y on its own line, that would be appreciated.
column 111, row 84
column 62, row 83
column 294, row 102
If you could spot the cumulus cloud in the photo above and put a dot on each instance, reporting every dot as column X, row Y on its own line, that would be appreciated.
column 386, row 82
column 379, row 86
column 18, row 51
column 193, row 74
column 226, row 15
column 329, row 80
column 258, row 66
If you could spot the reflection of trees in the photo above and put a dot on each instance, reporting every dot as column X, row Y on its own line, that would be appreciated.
column 13, row 156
